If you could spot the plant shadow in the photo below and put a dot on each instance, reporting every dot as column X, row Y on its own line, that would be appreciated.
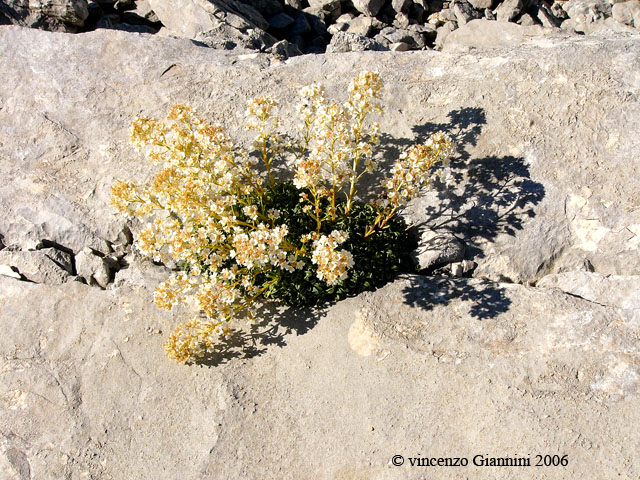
column 482, row 198
column 277, row 322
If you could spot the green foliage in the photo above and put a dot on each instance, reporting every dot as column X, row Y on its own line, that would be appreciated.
column 377, row 258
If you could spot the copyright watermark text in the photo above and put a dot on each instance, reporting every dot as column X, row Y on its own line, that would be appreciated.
column 482, row 460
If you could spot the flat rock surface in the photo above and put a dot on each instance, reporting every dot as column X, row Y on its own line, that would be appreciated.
column 545, row 182
column 421, row 367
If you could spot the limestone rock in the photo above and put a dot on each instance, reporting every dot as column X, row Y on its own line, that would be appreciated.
column 85, row 390
column 362, row 25
column 399, row 47
column 443, row 32
column 464, row 13
column 509, row 10
column 620, row 291
column 481, row 4
column 49, row 265
column 55, row 15
column 93, row 268
column 520, row 208
column 368, row 7
column 218, row 24
column 414, row 39
column 627, row 13
column 488, row 34
column 587, row 11
column 352, row 42
column 436, row 248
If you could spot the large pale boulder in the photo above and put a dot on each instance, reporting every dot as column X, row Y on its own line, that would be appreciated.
column 545, row 181
column 217, row 23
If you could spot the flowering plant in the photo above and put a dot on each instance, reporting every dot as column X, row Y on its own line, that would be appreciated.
column 239, row 234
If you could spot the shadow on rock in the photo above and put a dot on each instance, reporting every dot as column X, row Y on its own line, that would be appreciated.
column 484, row 197
column 481, row 199
column 277, row 323
column 488, row 300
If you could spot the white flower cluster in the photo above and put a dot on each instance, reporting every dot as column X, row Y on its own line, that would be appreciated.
column 336, row 146
column 333, row 265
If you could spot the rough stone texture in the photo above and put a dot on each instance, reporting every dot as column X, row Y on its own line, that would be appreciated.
column 481, row 4
column 627, row 13
column 219, row 24
column 352, row 42
column 436, row 249
column 481, row 367
column 442, row 34
column 464, row 13
column 48, row 265
column 57, row 140
column 546, row 178
column 55, row 15
column 93, row 268
column 489, row 34
column 509, row 9
column 621, row 292
column 368, row 7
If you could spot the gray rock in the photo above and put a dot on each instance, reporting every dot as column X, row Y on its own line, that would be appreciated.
column 142, row 10
column 465, row 13
column 627, row 13
column 436, row 248
column 329, row 9
column 520, row 208
column 93, row 268
column 399, row 47
column 443, row 32
column 362, row 25
column 546, row 17
column 481, row 4
column 54, row 15
column 86, row 392
column 487, row 34
column 315, row 19
column 389, row 35
column 558, row 11
column 401, row 6
column 443, row 16
column 526, row 20
column 509, row 10
column 368, row 7
column 285, row 49
column 216, row 23
column 49, row 266
column 617, row 291
column 282, row 21
column 352, row 42
column 585, row 13
column 401, row 21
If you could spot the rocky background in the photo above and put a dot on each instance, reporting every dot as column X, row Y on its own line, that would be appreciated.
column 294, row 27
column 521, row 335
